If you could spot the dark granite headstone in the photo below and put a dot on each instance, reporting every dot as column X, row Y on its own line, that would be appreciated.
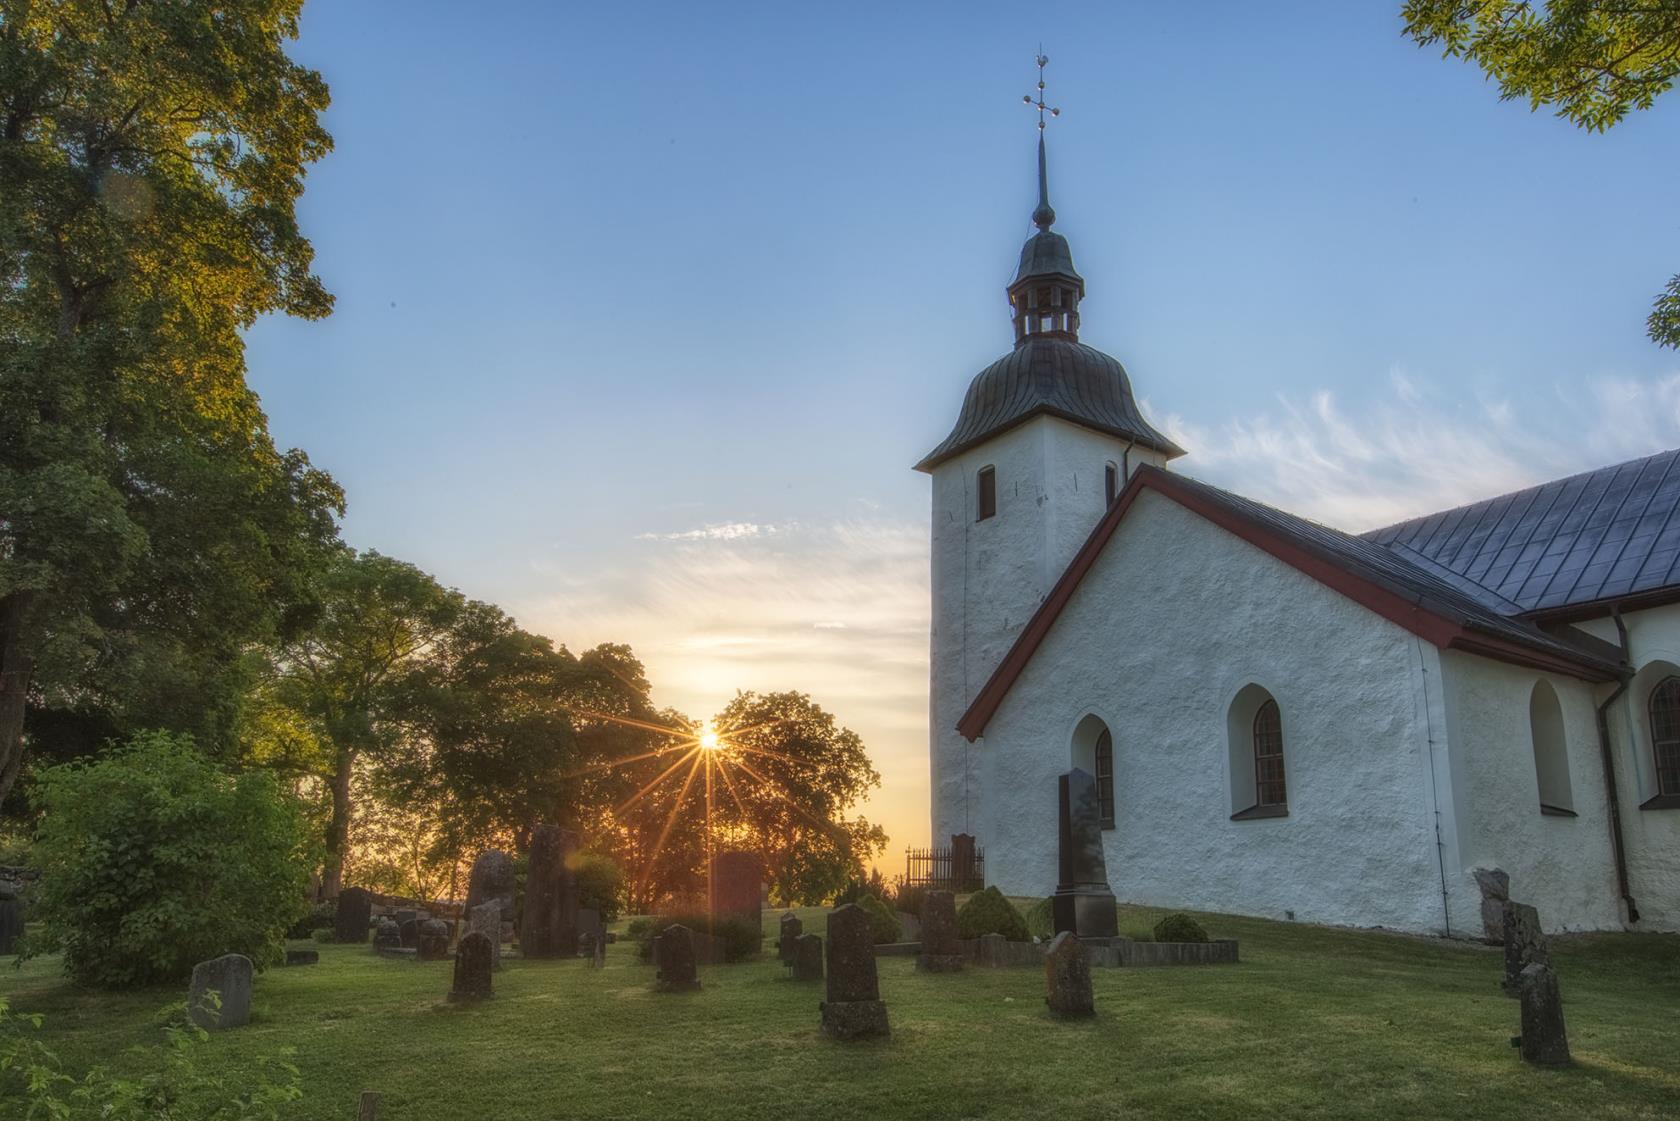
column 352, row 914
column 791, row 928
column 1543, row 1041
column 474, row 963
column 493, row 879
column 807, row 958
column 486, row 919
column 590, row 930
column 409, row 930
column 673, row 952
column 598, row 951
column 432, row 941
column 1495, row 886
column 1067, row 978
column 738, row 886
column 405, row 915
column 1524, row 944
column 549, row 929
column 303, row 957
column 11, row 924
column 854, row 1009
column 940, row 951
column 963, row 859
column 1083, row 902
column 387, row 935
column 229, row 977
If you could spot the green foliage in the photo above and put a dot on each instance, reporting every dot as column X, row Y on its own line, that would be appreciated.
column 320, row 916
column 599, row 884
column 325, row 937
column 1040, row 919
column 907, row 898
column 1593, row 61
column 153, row 860
column 884, row 926
column 741, row 938
column 1179, row 927
column 989, row 912
column 639, row 927
column 856, row 888
column 175, row 1089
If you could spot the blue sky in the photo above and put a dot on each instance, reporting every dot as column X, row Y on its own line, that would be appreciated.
column 644, row 310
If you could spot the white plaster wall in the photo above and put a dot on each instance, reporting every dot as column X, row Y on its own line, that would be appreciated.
column 1564, row 866
column 989, row 577
column 1174, row 618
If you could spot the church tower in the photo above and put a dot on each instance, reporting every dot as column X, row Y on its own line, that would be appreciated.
column 1047, row 436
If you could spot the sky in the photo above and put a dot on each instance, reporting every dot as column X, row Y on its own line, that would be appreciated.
column 644, row 311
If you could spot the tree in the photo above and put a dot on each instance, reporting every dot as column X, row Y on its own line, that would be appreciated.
column 153, row 860
column 1593, row 60
column 345, row 689
column 152, row 155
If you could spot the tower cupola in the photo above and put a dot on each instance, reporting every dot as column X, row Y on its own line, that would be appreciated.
column 1044, row 296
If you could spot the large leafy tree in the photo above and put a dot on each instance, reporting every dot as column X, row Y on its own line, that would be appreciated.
column 151, row 154
column 1593, row 60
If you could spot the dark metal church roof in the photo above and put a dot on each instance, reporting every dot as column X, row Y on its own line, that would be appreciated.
column 1598, row 536
column 1047, row 375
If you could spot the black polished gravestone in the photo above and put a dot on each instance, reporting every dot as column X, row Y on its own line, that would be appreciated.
column 673, row 952
column 474, row 964
column 549, row 928
column 941, row 952
column 807, row 958
column 11, row 923
column 352, row 914
column 854, row 1009
column 1083, row 902
column 790, row 930
column 1067, row 978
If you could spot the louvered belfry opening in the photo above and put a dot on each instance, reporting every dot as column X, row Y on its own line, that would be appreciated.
column 1045, row 307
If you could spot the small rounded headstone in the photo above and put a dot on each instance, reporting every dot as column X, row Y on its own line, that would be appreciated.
column 473, row 968
column 1067, row 978
column 229, row 979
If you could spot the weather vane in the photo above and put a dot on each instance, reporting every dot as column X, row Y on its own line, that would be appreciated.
column 1043, row 60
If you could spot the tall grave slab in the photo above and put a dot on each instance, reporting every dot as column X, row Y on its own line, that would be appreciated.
column 486, row 919
column 738, row 886
column 941, row 952
column 854, row 1009
column 550, row 922
column 1543, row 1041
column 352, row 914
column 473, row 966
column 1083, row 902
column 11, row 923
column 492, row 880
column 791, row 929
column 1524, row 944
column 963, row 860
column 673, row 952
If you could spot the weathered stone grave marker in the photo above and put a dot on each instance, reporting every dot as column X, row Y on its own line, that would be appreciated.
column 1543, row 1040
column 352, row 914
column 1495, row 886
column 1067, row 978
column 854, row 1009
column 432, row 940
column 673, row 952
column 303, row 957
column 474, row 963
column 1083, row 902
column 229, row 977
column 738, row 886
column 550, row 924
column 940, row 951
column 808, row 958
column 486, row 919
column 387, row 935
column 11, row 923
column 790, row 930
column 493, row 879
column 1524, row 944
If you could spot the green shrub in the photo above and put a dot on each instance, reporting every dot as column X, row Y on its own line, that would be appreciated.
column 153, row 860
column 908, row 899
column 639, row 927
column 874, row 884
column 324, row 936
column 599, row 882
column 988, row 912
column 1040, row 919
column 319, row 917
column 884, row 926
column 1179, row 928
column 741, row 938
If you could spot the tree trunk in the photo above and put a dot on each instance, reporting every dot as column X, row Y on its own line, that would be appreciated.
column 15, row 668
column 338, row 830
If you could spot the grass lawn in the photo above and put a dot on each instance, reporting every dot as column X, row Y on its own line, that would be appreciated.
column 1313, row 1023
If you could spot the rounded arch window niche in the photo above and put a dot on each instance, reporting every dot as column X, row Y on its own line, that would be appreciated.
column 1551, row 751
column 1255, row 739
column 1093, row 751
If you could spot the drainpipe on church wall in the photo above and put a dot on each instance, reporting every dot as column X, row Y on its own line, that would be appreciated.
column 1607, row 758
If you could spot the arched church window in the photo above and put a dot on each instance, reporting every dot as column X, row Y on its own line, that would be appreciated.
column 1551, row 751
column 1269, row 786
column 1111, row 482
column 986, row 486
column 1665, row 734
column 1105, row 777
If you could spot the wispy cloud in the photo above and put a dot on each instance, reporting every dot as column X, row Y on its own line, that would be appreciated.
column 728, row 531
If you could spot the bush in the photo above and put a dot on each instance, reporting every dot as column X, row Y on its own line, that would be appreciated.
column 153, row 861
column 325, row 937
column 908, row 899
column 874, row 884
column 1040, row 920
column 319, row 917
column 599, row 882
column 639, row 927
column 1179, row 928
column 741, row 938
column 884, row 926
column 988, row 912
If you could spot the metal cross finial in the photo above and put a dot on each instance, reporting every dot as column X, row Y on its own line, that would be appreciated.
column 1043, row 60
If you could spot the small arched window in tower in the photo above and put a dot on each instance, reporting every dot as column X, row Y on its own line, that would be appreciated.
column 1665, row 734
column 1105, row 777
column 986, row 486
column 1269, row 786
column 1551, row 751
column 1111, row 482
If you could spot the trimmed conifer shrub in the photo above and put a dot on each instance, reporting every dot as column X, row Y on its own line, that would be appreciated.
column 988, row 912
column 1179, row 927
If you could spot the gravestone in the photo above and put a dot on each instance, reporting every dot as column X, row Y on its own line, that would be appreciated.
column 1524, row 944
column 432, row 940
column 807, row 958
column 940, row 951
column 352, row 914
column 228, row 976
column 1083, row 902
column 405, row 915
column 387, row 935
column 1495, row 886
column 963, row 857
column 474, row 962
column 1543, row 1041
column 1067, row 978
column 791, row 928
column 11, row 924
column 303, row 957
column 738, row 886
column 992, row 949
column 673, row 952
column 590, row 930
column 409, row 929
column 492, row 880
column 854, row 1009
column 549, row 929
column 598, row 952
column 486, row 919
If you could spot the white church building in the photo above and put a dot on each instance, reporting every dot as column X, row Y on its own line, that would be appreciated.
column 1286, row 720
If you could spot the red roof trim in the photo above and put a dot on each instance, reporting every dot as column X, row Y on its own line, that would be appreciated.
column 1428, row 625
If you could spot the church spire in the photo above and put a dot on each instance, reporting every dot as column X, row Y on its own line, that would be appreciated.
column 1044, row 216
column 1044, row 297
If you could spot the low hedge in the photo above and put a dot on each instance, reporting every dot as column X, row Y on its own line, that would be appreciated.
column 740, row 938
column 988, row 912
column 1179, row 927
